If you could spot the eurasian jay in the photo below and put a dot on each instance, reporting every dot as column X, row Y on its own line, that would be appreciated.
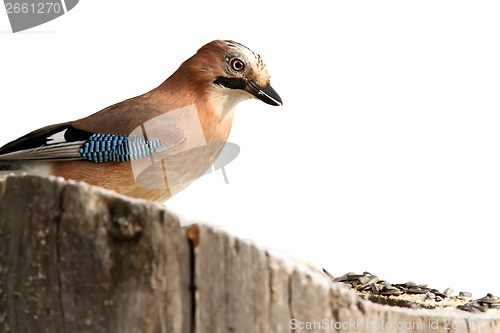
column 154, row 145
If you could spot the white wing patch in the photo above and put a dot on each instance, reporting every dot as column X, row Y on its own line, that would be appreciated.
column 57, row 137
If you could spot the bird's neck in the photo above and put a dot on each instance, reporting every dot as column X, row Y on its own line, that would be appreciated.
column 214, row 104
column 223, row 100
column 216, row 111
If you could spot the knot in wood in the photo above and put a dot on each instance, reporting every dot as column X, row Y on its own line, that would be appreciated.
column 125, row 228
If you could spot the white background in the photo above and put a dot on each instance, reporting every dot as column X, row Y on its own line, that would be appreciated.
column 385, row 156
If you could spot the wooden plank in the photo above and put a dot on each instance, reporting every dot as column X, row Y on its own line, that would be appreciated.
column 280, row 310
column 82, row 259
column 76, row 258
column 232, row 283
column 30, row 295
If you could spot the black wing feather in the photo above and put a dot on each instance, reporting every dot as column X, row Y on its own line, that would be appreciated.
column 39, row 137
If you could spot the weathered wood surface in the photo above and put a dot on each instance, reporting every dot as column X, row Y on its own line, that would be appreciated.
column 75, row 258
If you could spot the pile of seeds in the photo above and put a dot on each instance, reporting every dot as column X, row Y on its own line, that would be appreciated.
column 414, row 295
column 482, row 305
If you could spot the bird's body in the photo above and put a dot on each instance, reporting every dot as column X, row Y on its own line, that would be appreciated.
column 153, row 145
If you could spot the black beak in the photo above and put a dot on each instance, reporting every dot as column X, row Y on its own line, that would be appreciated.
column 267, row 94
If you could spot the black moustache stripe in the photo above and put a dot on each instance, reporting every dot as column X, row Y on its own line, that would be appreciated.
column 231, row 83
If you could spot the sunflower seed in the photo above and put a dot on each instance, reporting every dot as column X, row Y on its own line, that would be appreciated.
column 391, row 288
column 488, row 299
column 469, row 308
column 480, row 307
column 415, row 290
column 341, row 278
column 389, row 292
column 448, row 291
column 364, row 279
column 430, row 295
column 364, row 287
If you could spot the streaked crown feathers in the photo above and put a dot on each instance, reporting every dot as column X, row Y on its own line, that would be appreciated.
column 226, row 50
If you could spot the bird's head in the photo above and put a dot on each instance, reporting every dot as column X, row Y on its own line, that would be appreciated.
column 232, row 73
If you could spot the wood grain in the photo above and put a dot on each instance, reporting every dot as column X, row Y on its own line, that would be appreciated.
column 77, row 258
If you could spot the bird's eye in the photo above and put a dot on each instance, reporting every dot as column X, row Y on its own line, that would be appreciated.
column 237, row 64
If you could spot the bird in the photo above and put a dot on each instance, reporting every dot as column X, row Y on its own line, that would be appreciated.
column 154, row 145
